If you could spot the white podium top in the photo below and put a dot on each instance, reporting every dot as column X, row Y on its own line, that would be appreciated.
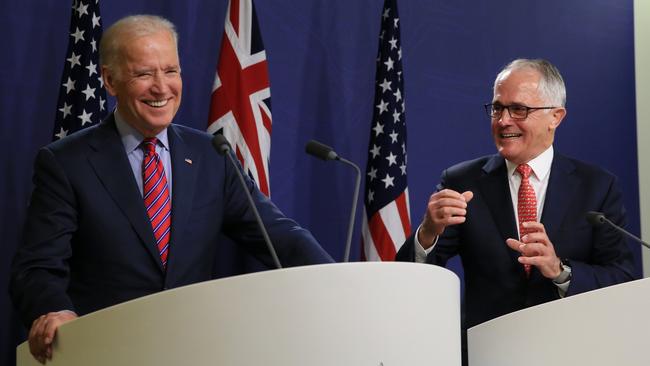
column 604, row 327
column 336, row 314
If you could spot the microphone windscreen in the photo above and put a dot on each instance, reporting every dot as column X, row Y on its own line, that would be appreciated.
column 221, row 144
column 595, row 218
column 319, row 150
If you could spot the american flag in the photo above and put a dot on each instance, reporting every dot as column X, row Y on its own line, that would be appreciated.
column 82, row 98
column 386, row 222
column 240, row 106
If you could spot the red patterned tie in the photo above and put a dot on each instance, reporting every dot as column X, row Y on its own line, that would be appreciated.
column 526, row 204
column 156, row 197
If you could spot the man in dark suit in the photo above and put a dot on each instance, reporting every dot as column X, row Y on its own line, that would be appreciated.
column 486, row 210
column 135, row 205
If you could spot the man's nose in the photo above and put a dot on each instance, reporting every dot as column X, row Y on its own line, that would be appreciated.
column 505, row 118
column 160, row 84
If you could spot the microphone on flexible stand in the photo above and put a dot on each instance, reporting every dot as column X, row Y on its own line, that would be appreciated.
column 325, row 152
column 598, row 218
column 223, row 147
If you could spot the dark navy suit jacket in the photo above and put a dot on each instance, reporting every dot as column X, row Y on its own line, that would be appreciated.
column 495, row 283
column 88, row 242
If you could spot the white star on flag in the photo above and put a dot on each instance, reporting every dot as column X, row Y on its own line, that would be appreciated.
column 92, row 69
column 82, row 9
column 66, row 109
column 385, row 85
column 95, row 20
column 372, row 173
column 61, row 134
column 388, row 181
column 389, row 64
column 393, row 43
column 85, row 117
column 393, row 137
column 78, row 35
column 74, row 60
column 375, row 151
column 383, row 107
column 69, row 85
column 396, row 115
column 398, row 95
column 392, row 159
column 379, row 129
column 89, row 92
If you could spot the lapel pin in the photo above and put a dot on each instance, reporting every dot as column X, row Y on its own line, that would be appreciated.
column 189, row 161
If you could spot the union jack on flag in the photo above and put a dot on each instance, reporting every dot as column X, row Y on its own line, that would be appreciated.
column 82, row 98
column 240, row 106
column 386, row 221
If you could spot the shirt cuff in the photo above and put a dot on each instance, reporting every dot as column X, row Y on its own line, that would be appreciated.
column 562, row 288
column 421, row 253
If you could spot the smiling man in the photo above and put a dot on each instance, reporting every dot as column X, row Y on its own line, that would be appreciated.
column 488, row 210
column 136, row 204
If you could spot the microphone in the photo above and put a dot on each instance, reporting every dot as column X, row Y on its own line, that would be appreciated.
column 325, row 152
column 223, row 148
column 320, row 151
column 598, row 218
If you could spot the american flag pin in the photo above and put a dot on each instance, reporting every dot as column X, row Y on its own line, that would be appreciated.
column 189, row 161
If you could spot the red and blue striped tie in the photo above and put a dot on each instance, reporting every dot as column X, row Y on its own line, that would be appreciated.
column 156, row 197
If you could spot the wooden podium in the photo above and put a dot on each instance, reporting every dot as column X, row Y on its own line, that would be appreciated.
column 336, row 314
column 605, row 327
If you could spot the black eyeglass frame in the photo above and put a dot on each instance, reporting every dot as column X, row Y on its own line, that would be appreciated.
column 490, row 106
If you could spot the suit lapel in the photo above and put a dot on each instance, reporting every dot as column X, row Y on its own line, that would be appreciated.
column 112, row 167
column 495, row 190
column 562, row 186
column 185, row 163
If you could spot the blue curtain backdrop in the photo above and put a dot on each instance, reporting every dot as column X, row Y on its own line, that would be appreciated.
column 322, row 64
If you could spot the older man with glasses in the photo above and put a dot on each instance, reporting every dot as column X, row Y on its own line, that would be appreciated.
column 517, row 218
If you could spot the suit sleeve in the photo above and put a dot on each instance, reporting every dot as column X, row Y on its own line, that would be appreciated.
column 446, row 246
column 294, row 245
column 40, row 271
column 611, row 260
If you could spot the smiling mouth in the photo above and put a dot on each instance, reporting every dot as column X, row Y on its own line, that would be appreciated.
column 509, row 135
column 156, row 103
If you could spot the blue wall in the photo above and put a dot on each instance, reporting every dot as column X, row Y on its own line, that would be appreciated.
column 321, row 56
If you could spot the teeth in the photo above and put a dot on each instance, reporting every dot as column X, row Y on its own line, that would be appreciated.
column 507, row 135
column 157, row 103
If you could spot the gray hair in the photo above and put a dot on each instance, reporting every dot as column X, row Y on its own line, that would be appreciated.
column 551, row 85
column 135, row 26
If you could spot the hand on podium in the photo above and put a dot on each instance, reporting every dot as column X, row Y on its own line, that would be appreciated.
column 43, row 330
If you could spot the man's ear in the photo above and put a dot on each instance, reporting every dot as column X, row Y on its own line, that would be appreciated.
column 558, row 116
column 109, row 80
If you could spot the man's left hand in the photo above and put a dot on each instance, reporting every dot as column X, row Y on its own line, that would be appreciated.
column 537, row 250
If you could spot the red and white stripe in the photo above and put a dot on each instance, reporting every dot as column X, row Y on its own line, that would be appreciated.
column 386, row 230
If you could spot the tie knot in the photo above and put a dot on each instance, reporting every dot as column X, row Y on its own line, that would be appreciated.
column 524, row 170
column 149, row 145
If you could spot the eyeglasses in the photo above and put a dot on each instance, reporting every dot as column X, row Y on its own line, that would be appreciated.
column 516, row 111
